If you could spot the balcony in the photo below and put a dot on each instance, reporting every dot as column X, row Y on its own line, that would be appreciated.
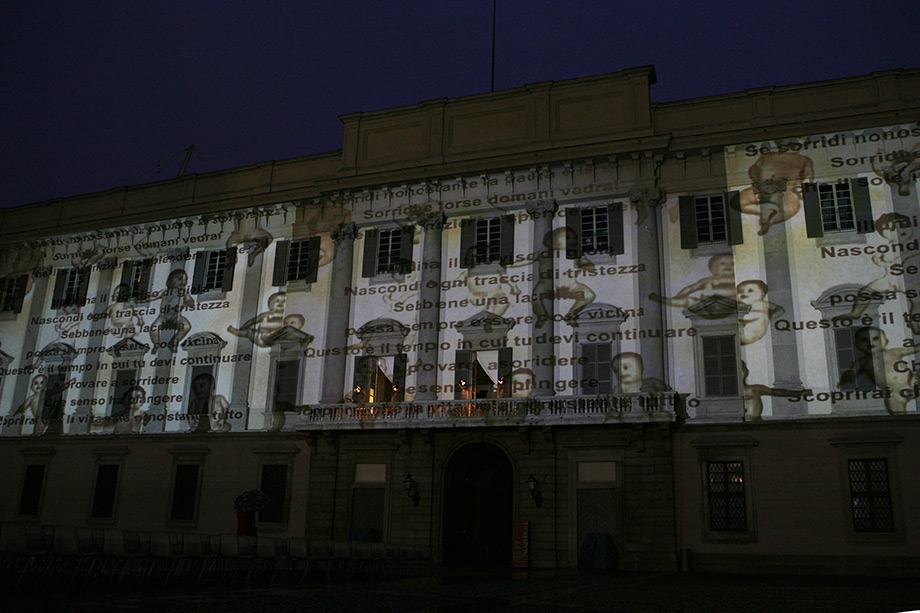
column 549, row 411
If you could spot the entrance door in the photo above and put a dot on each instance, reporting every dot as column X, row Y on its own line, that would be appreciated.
column 478, row 507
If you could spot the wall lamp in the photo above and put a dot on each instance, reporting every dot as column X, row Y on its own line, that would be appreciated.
column 534, row 486
column 411, row 489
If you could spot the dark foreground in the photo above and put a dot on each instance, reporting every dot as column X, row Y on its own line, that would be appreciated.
column 456, row 591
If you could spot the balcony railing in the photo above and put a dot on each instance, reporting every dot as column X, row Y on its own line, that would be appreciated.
column 562, row 410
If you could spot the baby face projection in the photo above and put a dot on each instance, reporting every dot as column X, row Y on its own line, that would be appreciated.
column 775, row 194
column 628, row 369
column 751, row 292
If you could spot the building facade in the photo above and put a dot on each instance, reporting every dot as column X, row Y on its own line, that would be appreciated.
column 503, row 327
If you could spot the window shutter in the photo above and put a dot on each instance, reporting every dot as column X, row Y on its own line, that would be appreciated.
column 229, row 265
column 370, row 253
column 463, row 362
column 362, row 372
column 280, row 270
column 615, row 227
column 467, row 243
column 399, row 372
column 145, row 278
column 813, row 224
column 688, row 237
column 859, row 187
column 572, row 233
column 407, row 239
column 19, row 293
column 201, row 265
column 127, row 272
column 60, row 280
column 604, row 374
column 504, row 370
column 733, row 215
column 312, row 259
column 507, row 237
column 82, row 286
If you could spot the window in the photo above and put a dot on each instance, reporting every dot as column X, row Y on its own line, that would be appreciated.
column 837, row 207
column 483, row 374
column 388, row 251
column 727, row 508
column 135, row 277
column 870, row 495
column 855, row 359
column 593, row 230
column 70, row 287
column 713, row 219
column 31, row 495
column 185, row 492
column 274, row 484
column 487, row 240
column 380, row 378
column 596, row 374
column 12, row 291
column 104, row 491
column 214, row 271
column 287, row 384
column 296, row 261
column 720, row 366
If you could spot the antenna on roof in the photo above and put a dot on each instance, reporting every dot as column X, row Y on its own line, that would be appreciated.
column 188, row 155
column 494, row 2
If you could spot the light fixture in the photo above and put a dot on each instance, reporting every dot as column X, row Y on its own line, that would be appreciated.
column 411, row 489
column 534, row 486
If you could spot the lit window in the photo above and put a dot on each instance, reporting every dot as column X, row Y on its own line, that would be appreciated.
column 70, row 288
column 727, row 510
column 214, row 271
column 836, row 204
column 841, row 207
column 488, row 240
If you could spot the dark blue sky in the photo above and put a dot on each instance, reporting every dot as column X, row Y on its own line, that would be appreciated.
column 93, row 95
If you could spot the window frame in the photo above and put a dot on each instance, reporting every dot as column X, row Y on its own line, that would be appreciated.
column 860, row 201
column 63, row 296
column 303, row 255
column 396, row 270
column 689, row 223
column 715, row 448
column 12, row 294
column 277, row 454
column 863, row 465
column 137, row 275
column 575, row 233
column 470, row 244
column 205, row 281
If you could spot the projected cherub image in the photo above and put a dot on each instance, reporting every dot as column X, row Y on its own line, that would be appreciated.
column 894, row 228
column 754, row 392
column 721, row 282
column 628, row 369
column 254, row 240
column 756, row 322
column 262, row 326
column 490, row 292
column 876, row 366
column 321, row 221
column 206, row 404
column 902, row 171
column 546, row 289
column 173, row 299
column 124, row 320
column 127, row 415
column 32, row 405
column 27, row 258
column 775, row 194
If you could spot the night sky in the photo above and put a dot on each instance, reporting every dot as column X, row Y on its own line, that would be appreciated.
column 96, row 95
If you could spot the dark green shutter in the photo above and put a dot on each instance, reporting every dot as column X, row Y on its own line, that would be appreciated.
column 862, row 204
column 504, row 370
column 507, row 238
column 229, row 265
column 145, row 278
column 572, row 233
column 400, row 361
column 814, row 227
column 615, row 227
column 312, row 259
column 82, row 286
column 19, row 293
column 468, row 243
column 733, row 217
column 688, row 236
column 363, row 365
column 127, row 272
column 60, row 280
column 201, row 266
column 370, row 253
column 280, row 270
column 407, row 239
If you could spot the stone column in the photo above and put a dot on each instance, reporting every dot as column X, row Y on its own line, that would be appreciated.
column 430, row 293
column 544, row 308
column 648, row 201
column 249, row 308
column 337, row 313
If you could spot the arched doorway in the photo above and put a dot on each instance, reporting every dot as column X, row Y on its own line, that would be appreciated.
column 478, row 507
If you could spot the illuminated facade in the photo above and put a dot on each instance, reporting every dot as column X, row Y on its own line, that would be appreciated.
column 688, row 326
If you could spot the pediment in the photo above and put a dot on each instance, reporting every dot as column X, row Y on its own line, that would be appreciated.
column 288, row 335
column 57, row 352
column 382, row 327
column 204, row 341
column 484, row 321
column 127, row 347
column 600, row 313
column 716, row 307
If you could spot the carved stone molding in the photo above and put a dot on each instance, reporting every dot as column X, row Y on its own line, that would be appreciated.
column 542, row 208
column 345, row 232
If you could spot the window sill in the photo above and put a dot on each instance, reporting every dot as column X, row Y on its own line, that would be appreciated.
column 492, row 268
column 707, row 250
column 211, row 295
column 588, row 260
column 296, row 286
column 728, row 538
column 387, row 278
column 8, row 315
column 840, row 238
